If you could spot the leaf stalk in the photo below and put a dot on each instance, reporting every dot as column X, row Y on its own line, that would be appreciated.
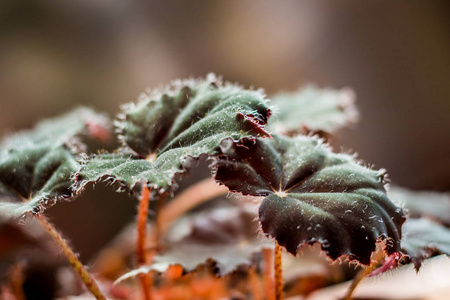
column 88, row 280
column 142, row 216
column 278, row 268
column 268, row 258
column 376, row 259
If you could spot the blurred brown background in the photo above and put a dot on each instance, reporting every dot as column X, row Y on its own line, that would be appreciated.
column 55, row 55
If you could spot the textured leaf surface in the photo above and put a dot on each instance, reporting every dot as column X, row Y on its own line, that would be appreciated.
column 36, row 165
column 61, row 130
column 163, row 130
column 423, row 203
column 227, row 236
column 312, row 195
column 423, row 239
column 313, row 109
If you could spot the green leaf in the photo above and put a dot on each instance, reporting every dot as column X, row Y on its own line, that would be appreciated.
column 422, row 203
column 226, row 235
column 165, row 130
column 61, row 130
column 311, row 109
column 423, row 239
column 312, row 195
column 36, row 165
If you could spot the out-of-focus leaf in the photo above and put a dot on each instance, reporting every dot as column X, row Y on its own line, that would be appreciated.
column 165, row 129
column 36, row 165
column 33, row 177
column 13, row 237
column 423, row 203
column 311, row 109
column 23, row 243
column 61, row 130
column 228, row 236
column 431, row 283
column 313, row 195
column 423, row 239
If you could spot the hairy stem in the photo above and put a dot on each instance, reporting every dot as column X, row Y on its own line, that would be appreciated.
column 90, row 283
column 278, row 272
column 141, row 240
column 142, row 225
column 378, row 256
column 268, row 273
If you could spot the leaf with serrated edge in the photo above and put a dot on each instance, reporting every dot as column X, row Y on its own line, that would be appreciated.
column 165, row 129
column 36, row 165
column 312, row 109
column 423, row 239
column 226, row 235
column 312, row 195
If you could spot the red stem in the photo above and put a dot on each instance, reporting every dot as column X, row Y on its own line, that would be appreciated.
column 141, row 240
column 255, row 285
column 268, row 273
column 278, row 272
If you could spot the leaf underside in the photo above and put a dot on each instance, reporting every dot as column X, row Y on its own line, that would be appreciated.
column 312, row 195
column 162, row 132
column 423, row 239
column 311, row 109
column 227, row 236
column 36, row 165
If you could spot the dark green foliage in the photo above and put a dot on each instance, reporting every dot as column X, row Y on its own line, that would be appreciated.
column 312, row 195
column 164, row 130
column 33, row 177
column 423, row 239
column 36, row 165
column 426, row 231
column 65, row 129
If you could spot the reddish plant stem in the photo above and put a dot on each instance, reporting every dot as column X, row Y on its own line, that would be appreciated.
column 142, row 216
column 201, row 192
column 254, row 284
column 90, row 283
column 268, row 255
column 376, row 258
column 142, row 225
column 154, row 237
column 278, row 272
column 146, row 283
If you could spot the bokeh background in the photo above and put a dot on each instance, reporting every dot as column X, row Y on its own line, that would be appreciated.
column 56, row 55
